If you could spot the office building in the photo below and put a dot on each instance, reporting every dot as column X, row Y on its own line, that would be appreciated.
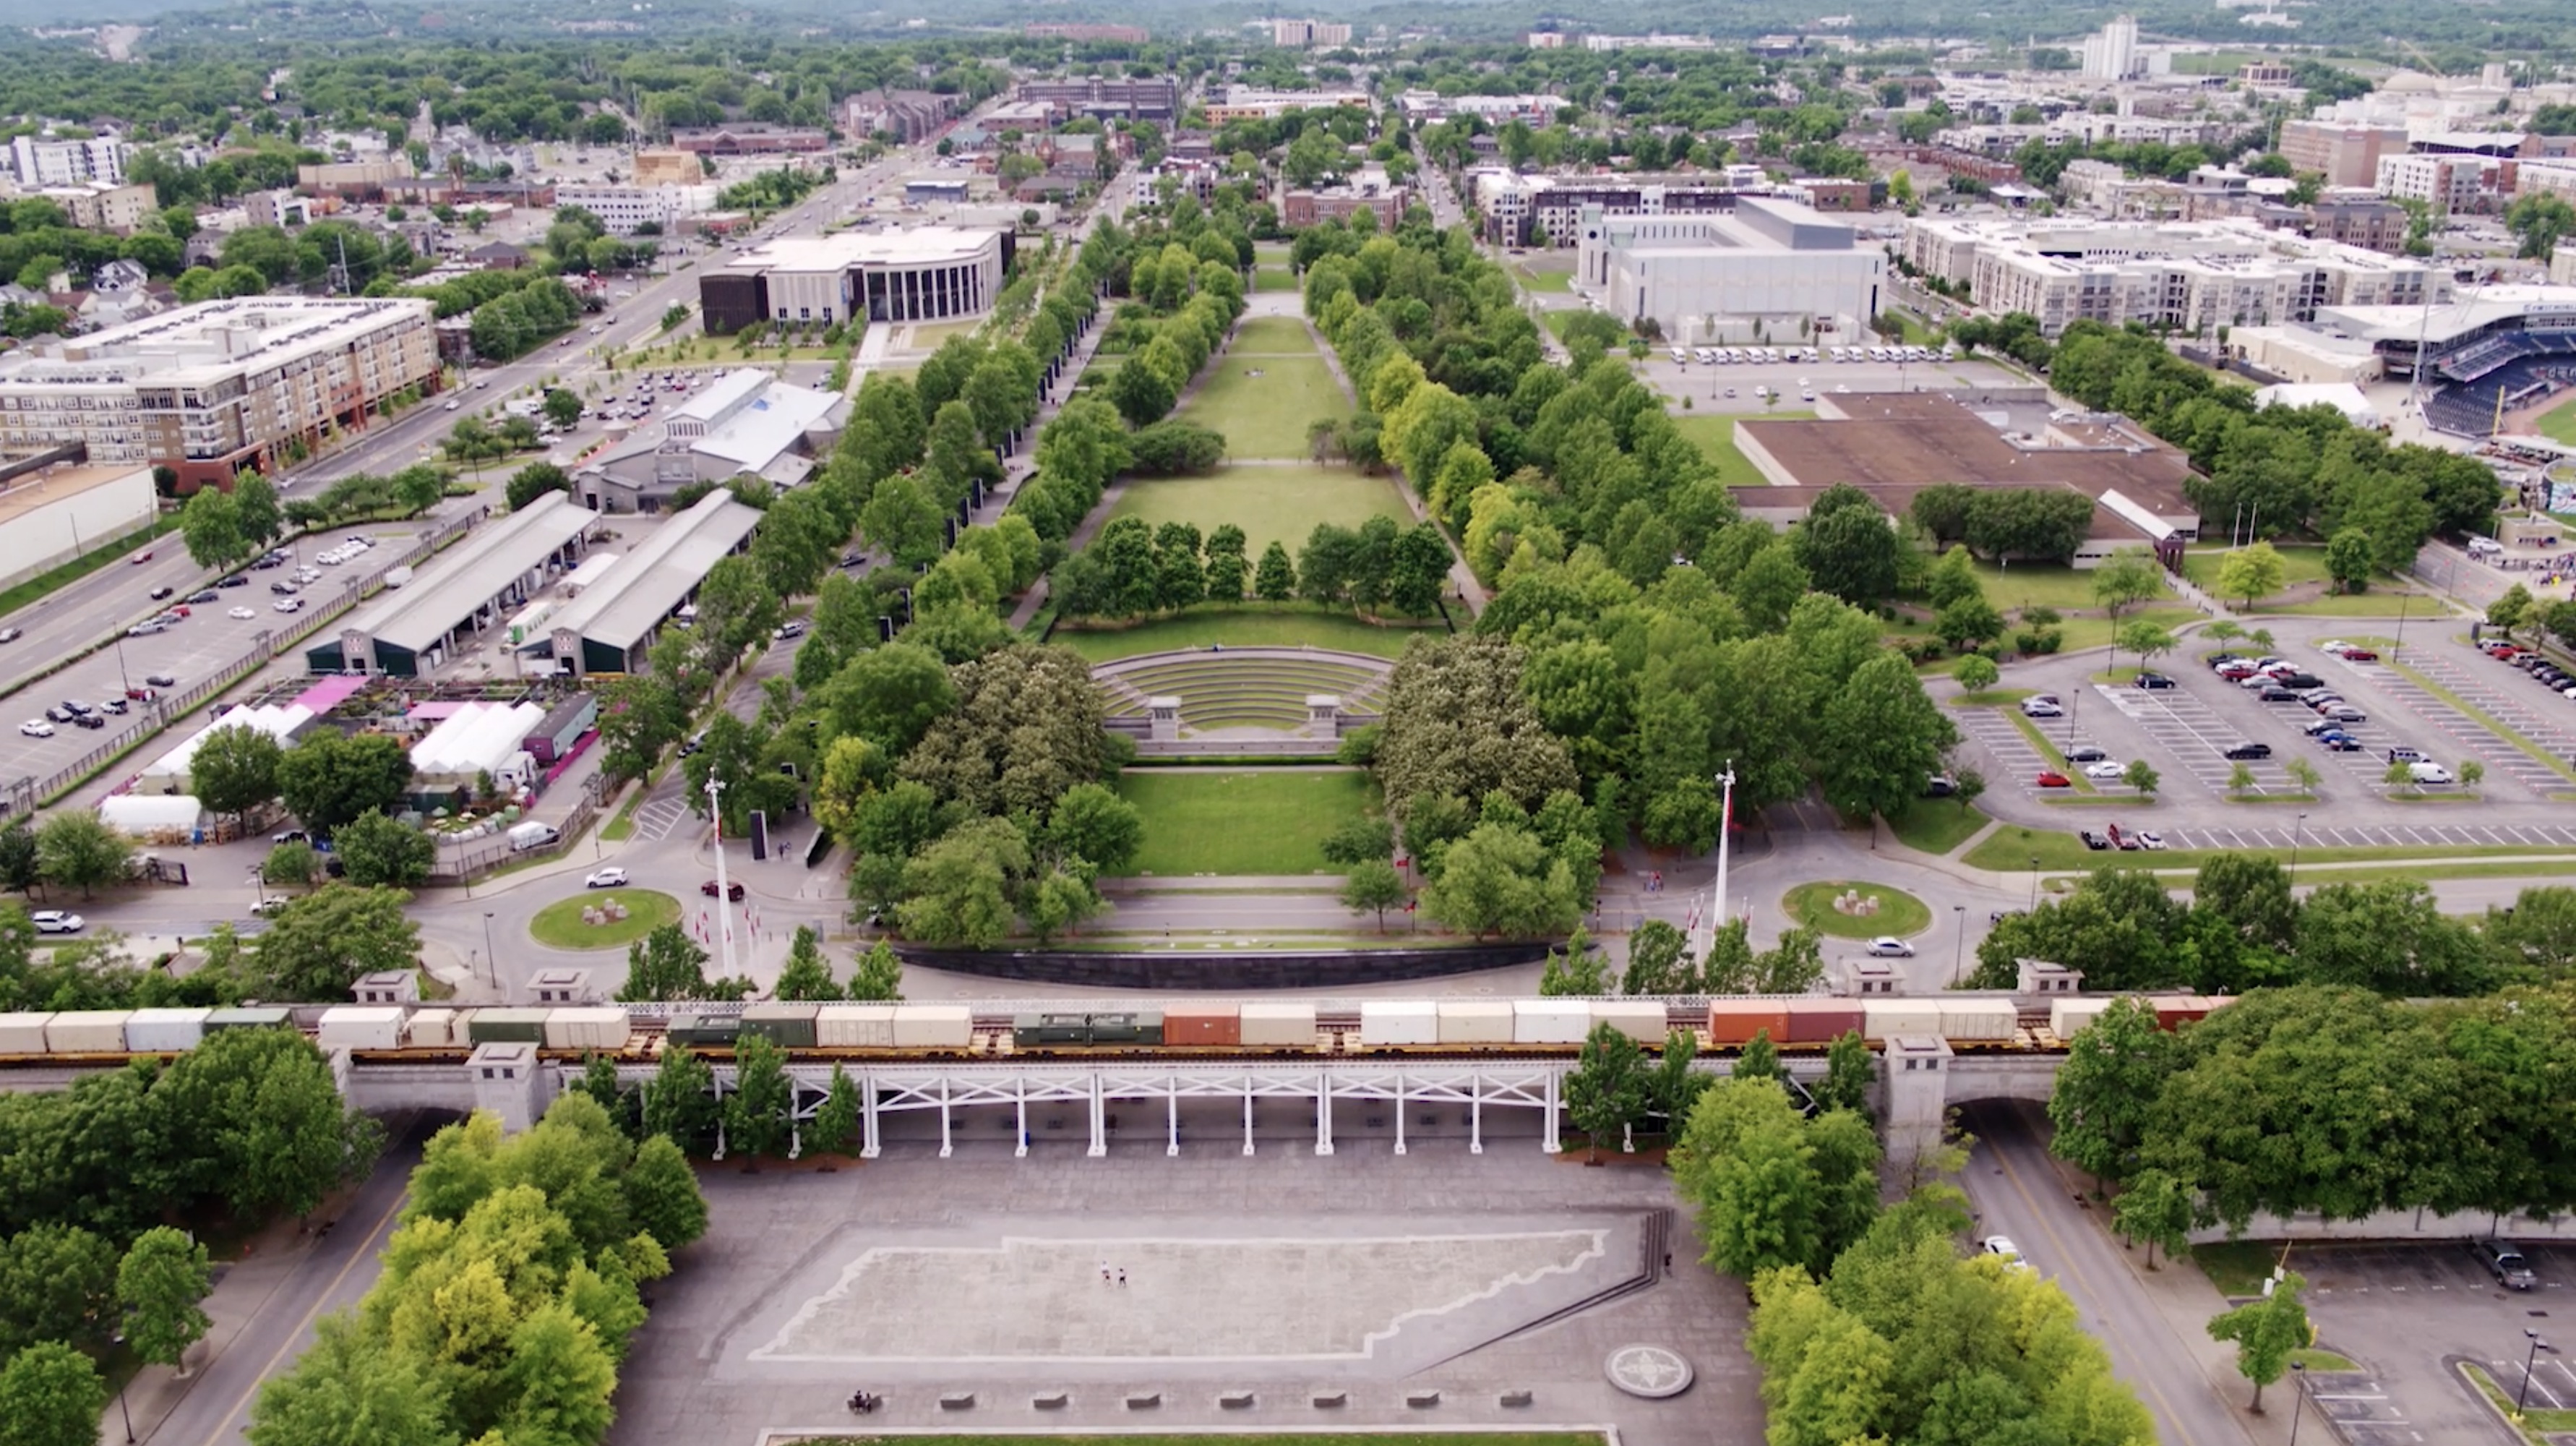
column 626, row 209
column 2450, row 184
column 1766, row 270
column 2345, row 154
column 927, row 273
column 1309, row 34
column 210, row 389
column 47, row 161
column 1154, row 98
column 1245, row 102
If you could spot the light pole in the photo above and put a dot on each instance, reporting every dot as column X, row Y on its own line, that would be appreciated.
column 2398, row 646
column 2034, row 883
column 2298, row 1397
column 2523, row 1396
column 1959, row 946
column 487, row 949
column 2296, row 831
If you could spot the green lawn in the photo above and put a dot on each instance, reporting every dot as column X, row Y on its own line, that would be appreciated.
column 2039, row 584
column 558, row 925
column 1263, row 404
column 1899, row 912
column 1209, row 821
column 1265, row 334
column 1252, row 625
column 2237, row 1267
column 1281, row 504
column 1544, row 278
column 1715, row 435
column 1935, row 825
column 1273, row 278
column 2298, row 564
column 2559, row 423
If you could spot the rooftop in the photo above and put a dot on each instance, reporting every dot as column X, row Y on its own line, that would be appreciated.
column 212, row 340
column 621, row 609
column 419, row 615
column 25, row 493
column 918, row 245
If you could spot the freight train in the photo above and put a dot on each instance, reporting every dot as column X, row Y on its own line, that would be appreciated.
column 427, row 1034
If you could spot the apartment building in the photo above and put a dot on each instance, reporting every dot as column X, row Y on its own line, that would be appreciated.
column 1309, row 34
column 2450, row 184
column 1153, row 98
column 2345, row 154
column 48, row 161
column 1244, row 102
column 104, row 205
column 210, row 389
column 624, row 210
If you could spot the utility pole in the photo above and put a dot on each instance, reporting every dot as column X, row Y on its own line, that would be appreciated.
column 724, row 895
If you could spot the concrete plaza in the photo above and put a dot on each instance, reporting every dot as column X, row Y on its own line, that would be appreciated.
column 1282, row 1291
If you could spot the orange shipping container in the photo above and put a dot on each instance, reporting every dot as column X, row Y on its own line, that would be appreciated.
column 1821, row 1021
column 1735, row 1021
column 1202, row 1025
column 2176, row 1010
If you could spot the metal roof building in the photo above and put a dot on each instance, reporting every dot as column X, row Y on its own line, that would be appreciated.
column 475, row 585
column 608, row 627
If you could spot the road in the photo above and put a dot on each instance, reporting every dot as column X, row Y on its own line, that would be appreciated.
column 333, row 1272
column 2015, row 1190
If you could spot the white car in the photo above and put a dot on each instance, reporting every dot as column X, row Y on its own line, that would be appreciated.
column 1888, row 946
column 2148, row 839
column 290, row 604
column 2041, row 708
column 240, row 613
column 55, row 921
column 2001, row 1246
column 2109, row 768
column 607, row 878
column 37, row 728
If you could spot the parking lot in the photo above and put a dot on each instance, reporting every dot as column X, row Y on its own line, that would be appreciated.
column 1799, row 385
column 2405, row 1311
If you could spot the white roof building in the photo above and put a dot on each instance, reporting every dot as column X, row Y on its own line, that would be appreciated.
column 168, row 774
column 478, row 738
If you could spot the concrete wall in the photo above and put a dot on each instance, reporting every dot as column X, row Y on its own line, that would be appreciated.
column 1319, row 972
column 43, row 535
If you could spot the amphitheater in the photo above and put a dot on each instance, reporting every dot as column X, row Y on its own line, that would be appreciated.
column 1243, row 699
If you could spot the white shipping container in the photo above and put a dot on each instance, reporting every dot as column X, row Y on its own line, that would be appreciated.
column 1399, row 1021
column 1475, row 1021
column 1638, row 1019
column 1550, row 1021
column 933, row 1026
column 165, row 1031
column 1290, row 1024
column 854, row 1026
column 87, row 1031
column 431, row 1029
column 361, row 1026
column 2066, row 1016
column 1888, row 1018
column 1979, row 1018
column 586, row 1026
column 23, row 1033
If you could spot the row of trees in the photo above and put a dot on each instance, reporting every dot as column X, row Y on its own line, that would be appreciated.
column 1132, row 569
column 315, row 948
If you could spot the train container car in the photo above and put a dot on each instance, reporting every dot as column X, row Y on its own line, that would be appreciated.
column 933, row 1026
column 434, row 1029
column 2176, row 1010
column 1203, row 1026
column 1474, row 1021
column 586, row 1027
column 1886, row 1018
column 1822, row 1021
column 1643, row 1020
column 787, row 1024
column 1127, row 1026
column 1734, row 1022
column 2067, row 1016
column 23, row 1033
column 1550, row 1021
column 1038, row 1030
column 1278, row 1025
column 704, row 1031
column 249, row 1016
column 854, row 1026
column 87, row 1031
column 361, row 1026
column 1969, row 1020
column 1387, row 1022
column 506, row 1026
column 165, row 1031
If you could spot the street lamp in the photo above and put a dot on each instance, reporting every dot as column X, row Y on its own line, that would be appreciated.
column 2298, row 1397
column 2538, row 1345
column 2034, row 883
column 2295, row 831
column 487, row 949
column 2394, row 648
column 1959, row 946
column 122, row 1408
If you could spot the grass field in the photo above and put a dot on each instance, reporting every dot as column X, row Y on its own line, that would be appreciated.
column 1280, row 504
column 1253, row 625
column 1715, row 435
column 1935, row 825
column 2039, row 584
column 2298, row 564
column 2559, row 423
column 1273, row 278
column 1544, row 278
column 1209, row 821
column 1899, row 912
column 558, row 925
column 1273, row 334
column 1265, row 415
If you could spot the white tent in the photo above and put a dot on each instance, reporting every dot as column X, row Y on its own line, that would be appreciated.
column 152, row 815
column 476, row 739
column 168, row 774
column 2342, row 396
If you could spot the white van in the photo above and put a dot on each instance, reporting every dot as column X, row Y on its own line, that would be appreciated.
column 1681, row 356
column 2429, row 773
column 527, row 836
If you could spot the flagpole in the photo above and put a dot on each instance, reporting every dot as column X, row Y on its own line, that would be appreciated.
column 724, row 899
column 1704, row 929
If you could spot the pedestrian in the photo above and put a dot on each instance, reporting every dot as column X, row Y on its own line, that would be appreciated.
column 1122, row 1277
column 1104, row 1265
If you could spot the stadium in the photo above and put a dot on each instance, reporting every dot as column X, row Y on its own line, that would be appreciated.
column 2483, row 358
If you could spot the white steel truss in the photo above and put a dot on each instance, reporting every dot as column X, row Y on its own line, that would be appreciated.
column 894, row 1088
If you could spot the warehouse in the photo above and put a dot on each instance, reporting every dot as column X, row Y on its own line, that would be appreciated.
column 744, row 422
column 608, row 627
column 52, row 507
column 923, row 274
column 474, row 586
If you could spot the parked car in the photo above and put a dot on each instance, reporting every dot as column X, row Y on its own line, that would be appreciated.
column 37, row 728
column 55, row 921
column 161, row 680
column 204, row 596
column 2092, row 840
column 2339, row 742
column 235, row 580
column 792, row 628
column 2404, row 754
column 2244, row 751
column 2275, row 693
column 2151, row 680
column 2086, row 753
column 2506, row 1264
column 2108, row 770
column 2041, row 708
column 2237, row 672
column 2360, row 655
column 2221, row 660
column 2150, row 840
column 2051, row 778
column 2430, row 773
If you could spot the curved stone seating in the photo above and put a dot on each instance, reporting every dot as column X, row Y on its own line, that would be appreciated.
column 1245, row 687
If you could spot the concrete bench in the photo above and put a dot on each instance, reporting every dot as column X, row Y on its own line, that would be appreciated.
column 1145, row 1401
column 1513, row 1399
column 1054, row 1402
column 1422, row 1400
column 957, row 1401
column 1235, row 1401
column 1326, row 1401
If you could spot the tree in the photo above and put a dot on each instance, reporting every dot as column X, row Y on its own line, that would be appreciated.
column 1606, row 1091
column 665, row 965
column 2240, row 778
column 961, row 887
column 1849, row 1072
column 2266, row 1332
column 1658, row 961
column 330, row 777
column 1877, row 737
column 2349, row 560
column 755, row 1112
column 2156, row 1208
column 1093, row 824
column 679, row 1105
column 1848, row 546
column 561, row 1375
column 61, row 1285
column 562, row 407
column 2471, row 773
column 256, row 516
column 806, row 975
column 1577, row 969
column 2146, row 640
column 1140, row 392
column 346, row 1388
column 1275, row 580
column 1976, row 673
column 2105, row 1096
column 2141, row 775
column 2250, row 572
column 2303, row 774
column 836, row 1120
column 159, row 1284
column 234, row 769
column 212, row 529
column 1760, row 1059
column 1372, row 886
column 536, row 479
column 75, row 850
column 2128, row 577
column 380, row 850
column 877, row 977
column 2537, row 220
column 662, row 1194
column 319, row 945
column 1745, row 1165
column 2398, row 775
column 51, row 1395
column 1502, row 880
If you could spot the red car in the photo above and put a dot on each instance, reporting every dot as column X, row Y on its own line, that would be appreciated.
column 2503, row 652
column 2237, row 672
column 733, row 889
column 2051, row 778
column 2359, row 655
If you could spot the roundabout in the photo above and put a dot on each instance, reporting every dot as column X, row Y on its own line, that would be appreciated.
column 603, row 918
column 1853, row 909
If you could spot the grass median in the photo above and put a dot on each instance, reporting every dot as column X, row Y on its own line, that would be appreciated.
column 2010, row 850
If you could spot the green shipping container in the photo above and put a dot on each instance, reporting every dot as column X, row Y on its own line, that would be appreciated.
column 506, row 1026
column 789, row 1026
column 704, row 1030
column 1144, row 1026
column 1031, row 1030
column 249, row 1017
